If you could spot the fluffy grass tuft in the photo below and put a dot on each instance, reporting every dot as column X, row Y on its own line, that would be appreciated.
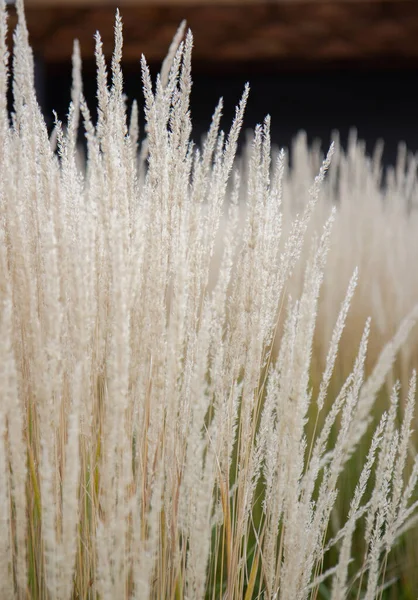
column 194, row 402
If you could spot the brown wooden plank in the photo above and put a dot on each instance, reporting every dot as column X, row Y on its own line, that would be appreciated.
column 308, row 31
column 121, row 3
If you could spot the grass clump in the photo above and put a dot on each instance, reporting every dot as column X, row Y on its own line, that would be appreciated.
column 174, row 422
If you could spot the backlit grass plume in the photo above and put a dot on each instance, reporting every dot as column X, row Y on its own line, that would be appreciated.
column 187, row 410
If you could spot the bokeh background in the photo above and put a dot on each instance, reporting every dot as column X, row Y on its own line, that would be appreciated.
column 317, row 65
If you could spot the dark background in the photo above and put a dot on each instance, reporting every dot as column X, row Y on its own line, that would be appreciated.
column 315, row 65
column 380, row 103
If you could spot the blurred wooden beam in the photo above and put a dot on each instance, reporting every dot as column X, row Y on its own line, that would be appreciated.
column 121, row 3
column 227, row 32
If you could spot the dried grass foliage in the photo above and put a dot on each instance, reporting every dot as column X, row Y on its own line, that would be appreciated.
column 158, row 386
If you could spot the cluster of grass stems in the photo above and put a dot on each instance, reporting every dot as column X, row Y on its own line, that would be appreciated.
column 194, row 401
